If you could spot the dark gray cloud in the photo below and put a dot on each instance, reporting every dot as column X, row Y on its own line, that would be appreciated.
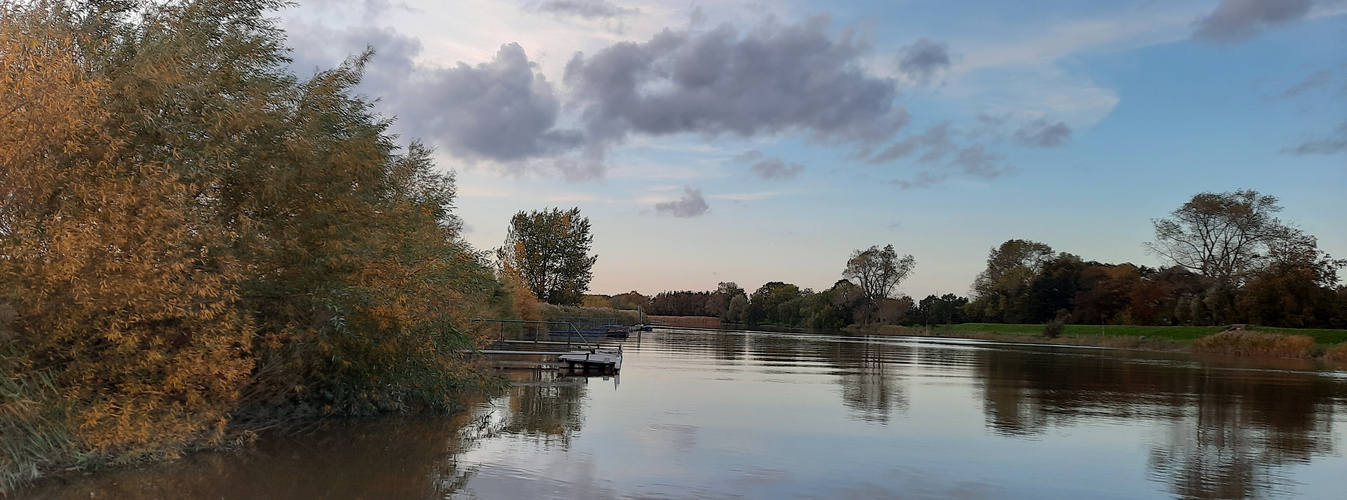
column 503, row 110
column 923, row 60
column 934, row 140
column 1042, row 134
column 1315, row 80
column 1235, row 21
column 1336, row 142
column 692, row 204
column 588, row 9
column 770, row 80
column 776, row 168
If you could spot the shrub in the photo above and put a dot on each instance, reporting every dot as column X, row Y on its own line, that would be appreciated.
column 1246, row 343
column 1054, row 328
column 1337, row 353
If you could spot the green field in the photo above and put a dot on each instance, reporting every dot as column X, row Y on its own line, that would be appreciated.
column 1181, row 333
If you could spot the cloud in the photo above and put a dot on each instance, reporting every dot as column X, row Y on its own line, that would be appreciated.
column 776, row 168
column 935, row 140
column 692, row 204
column 1236, row 21
column 976, row 161
column 588, row 9
column 773, row 79
column 748, row 156
column 923, row 60
column 942, row 153
column 770, row 168
column 502, row 110
column 1314, row 80
column 1042, row 134
column 921, row 180
column 1336, row 142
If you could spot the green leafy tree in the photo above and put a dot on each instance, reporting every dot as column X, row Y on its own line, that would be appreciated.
column 999, row 289
column 765, row 305
column 1295, row 290
column 878, row 271
column 549, row 251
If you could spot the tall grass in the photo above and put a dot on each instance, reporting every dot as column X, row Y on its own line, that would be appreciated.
column 1182, row 333
column 688, row 321
column 34, row 423
column 1337, row 353
column 1321, row 335
column 1248, row 343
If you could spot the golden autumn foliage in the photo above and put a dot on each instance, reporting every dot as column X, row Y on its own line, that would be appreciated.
column 1248, row 343
column 191, row 237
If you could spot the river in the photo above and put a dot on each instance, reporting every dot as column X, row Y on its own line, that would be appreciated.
column 706, row 414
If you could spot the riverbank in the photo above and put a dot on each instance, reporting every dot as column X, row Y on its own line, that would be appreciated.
column 1330, row 345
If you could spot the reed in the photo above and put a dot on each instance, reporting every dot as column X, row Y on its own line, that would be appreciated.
column 1248, row 343
column 687, row 321
column 33, row 425
column 1337, row 353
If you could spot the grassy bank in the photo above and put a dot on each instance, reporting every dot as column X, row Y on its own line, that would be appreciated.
column 1253, row 341
column 1177, row 333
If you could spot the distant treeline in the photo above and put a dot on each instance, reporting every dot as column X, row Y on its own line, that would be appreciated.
column 191, row 236
column 1232, row 262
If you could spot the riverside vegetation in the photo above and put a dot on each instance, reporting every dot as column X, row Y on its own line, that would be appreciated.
column 196, row 244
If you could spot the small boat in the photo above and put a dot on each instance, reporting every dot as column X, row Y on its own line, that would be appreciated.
column 617, row 331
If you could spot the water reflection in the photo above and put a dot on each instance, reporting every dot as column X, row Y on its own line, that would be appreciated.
column 1223, row 433
column 542, row 405
column 766, row 415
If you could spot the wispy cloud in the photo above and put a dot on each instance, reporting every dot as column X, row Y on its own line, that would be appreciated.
column 1335, row 142
column 1040, row 133
column 588, row 9
column 1315, row 80
column 1236, row 21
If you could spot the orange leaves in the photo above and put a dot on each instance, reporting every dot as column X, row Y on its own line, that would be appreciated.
column 187, row 232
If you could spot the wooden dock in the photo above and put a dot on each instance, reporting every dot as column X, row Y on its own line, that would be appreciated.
column 601, row 359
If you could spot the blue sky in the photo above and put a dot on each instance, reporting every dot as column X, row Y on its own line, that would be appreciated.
column 765, row 141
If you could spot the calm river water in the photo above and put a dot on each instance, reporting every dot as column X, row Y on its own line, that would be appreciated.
column 699, row 414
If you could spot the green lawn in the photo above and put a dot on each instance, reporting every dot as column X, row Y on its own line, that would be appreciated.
column 1183, row 333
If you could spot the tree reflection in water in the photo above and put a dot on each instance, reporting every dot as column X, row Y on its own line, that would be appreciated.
column 1208, row 429
column 1226, row 433
column 544, row 405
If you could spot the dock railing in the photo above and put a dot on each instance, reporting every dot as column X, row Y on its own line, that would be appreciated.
column 571, row 330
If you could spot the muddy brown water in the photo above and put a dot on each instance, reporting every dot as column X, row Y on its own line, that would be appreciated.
column 708, row 414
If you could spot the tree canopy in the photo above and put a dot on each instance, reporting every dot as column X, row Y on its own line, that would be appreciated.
column 878, row 271
column 1221, row 235
column 549, row 250
column 190, row 234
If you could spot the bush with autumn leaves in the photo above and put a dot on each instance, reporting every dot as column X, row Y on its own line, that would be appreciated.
column 192, row 237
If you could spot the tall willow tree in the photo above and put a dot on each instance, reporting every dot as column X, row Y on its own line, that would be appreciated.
column 189, row 234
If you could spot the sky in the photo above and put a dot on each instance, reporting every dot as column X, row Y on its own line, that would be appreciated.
column 767, row 140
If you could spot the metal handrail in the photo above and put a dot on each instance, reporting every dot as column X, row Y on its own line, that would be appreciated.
column 572, row 327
